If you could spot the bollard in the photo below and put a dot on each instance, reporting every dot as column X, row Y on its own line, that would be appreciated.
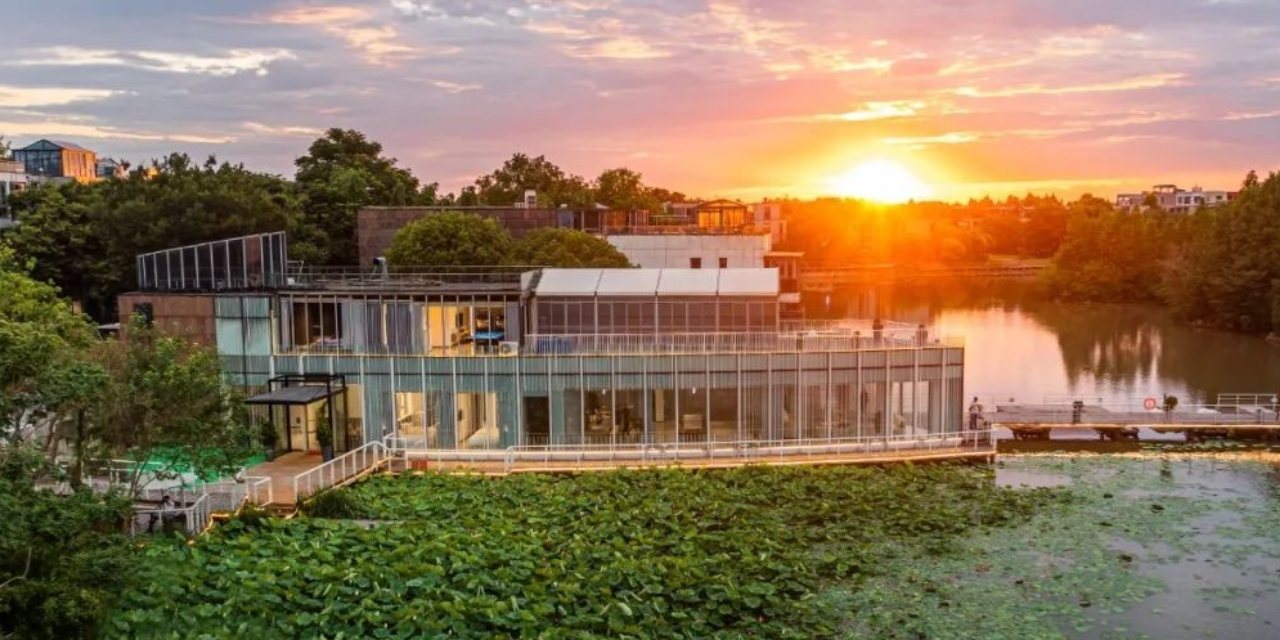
column 1077, row 408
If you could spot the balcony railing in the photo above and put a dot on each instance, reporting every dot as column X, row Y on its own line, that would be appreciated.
column 816, row 340
column 309, row 277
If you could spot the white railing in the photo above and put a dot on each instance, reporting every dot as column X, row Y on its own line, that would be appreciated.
column 817, row 340
column 192, row 518
column 339, row 469
column 978, row 441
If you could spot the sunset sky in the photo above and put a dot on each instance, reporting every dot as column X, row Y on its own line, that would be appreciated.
column 733, row 98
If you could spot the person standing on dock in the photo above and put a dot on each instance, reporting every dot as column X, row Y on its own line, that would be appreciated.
column 975, row 414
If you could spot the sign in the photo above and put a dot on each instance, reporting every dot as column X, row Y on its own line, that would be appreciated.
column 1149, row 403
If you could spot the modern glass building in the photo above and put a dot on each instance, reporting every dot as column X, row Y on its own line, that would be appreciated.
column 486, row 363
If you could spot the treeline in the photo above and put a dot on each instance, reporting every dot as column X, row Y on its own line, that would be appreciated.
column 84, row 237
column 68, row 397
column 839, row 231
column 1219, row 266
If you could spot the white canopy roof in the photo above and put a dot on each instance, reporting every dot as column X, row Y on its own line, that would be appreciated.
column 568, row 282
column 689, row 282
column 628, row 282
column 662, row 282
column 748, row 282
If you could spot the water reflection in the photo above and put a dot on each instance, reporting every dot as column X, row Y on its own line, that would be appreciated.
column 1023, row 345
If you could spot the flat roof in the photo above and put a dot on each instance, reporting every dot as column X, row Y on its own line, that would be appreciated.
column 689, row 282
column 748, row 282
column 295, row 395
column 629, row 282
column 663, row 282
column 568, row 282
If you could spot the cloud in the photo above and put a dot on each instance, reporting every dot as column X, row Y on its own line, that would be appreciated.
column 19, row 97
column 283, row 130
column 1151, row 81
column 454, row 87
column 55, row 127
column 920, row 142
column 232, row 62
column 874, row 111
column 378, row 44
column 1252, row 115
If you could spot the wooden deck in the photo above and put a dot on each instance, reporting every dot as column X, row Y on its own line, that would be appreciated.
column 498, row 468
column 1060, row 416
column 282, row 471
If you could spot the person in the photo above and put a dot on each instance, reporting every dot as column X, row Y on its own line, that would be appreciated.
column 975, row 414
column 166, row 511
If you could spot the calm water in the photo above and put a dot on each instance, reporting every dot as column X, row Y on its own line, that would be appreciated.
column 1020, row 344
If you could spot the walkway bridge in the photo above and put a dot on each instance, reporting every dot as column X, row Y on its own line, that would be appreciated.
column 1233, row 415
column 819, row 278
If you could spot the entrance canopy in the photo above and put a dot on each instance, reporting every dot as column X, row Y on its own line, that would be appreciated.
column 300, row 389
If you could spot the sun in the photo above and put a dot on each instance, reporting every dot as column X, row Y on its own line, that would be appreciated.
column 881, row 180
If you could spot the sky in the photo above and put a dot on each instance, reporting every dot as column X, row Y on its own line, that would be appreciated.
column 715, row 98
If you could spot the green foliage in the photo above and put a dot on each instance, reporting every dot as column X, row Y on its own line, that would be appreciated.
column 624, row 190
column 165, row 401
column 507, row 184
column 1230, row 261
column 566, row 248
column 1113, row 256
column 342, row 172
column 450, row 238
column 40, row 342
column 333, row 503
column 60, row 568
column 85, row 238
column 653, row 554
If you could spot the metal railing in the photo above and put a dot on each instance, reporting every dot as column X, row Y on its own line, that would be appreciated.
column 315, row 277
column 816, row 340
column 980, row 441
column 339, row 469
column 192, row 518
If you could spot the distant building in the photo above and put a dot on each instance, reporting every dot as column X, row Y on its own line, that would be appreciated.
column 52, row 159
column 112, row 168
column 13, row 178
column 768, row 215
column 1170, row 198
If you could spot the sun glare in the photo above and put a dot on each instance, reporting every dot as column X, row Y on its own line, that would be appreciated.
column 882, row 181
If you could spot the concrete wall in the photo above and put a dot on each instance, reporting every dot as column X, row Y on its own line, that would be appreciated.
column 675, row 251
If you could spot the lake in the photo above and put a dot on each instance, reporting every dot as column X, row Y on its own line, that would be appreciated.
column 1021, row 344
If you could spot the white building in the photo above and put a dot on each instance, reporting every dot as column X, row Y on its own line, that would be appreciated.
column 768, row 215
column 694, row 250
column 1173, row 199
column 13, row 178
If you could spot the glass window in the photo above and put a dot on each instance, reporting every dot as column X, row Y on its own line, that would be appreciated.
column 695, row 263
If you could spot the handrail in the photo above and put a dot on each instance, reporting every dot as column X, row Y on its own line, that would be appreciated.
column 339, row 469
column 755, row 449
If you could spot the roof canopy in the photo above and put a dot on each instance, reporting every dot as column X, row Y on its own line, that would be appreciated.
column 658, row 282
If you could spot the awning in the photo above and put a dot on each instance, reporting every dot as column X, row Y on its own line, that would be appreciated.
column 296, row 395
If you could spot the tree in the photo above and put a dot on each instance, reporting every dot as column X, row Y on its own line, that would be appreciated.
column 1229, row 261
column 623, row 189
column 165, row 403
column 450, row 238
column 60, row 569
column 506, row 185
column 342, row 172
column 85, row 238
column 40, row 337
column 566, row 248
column 5, row 149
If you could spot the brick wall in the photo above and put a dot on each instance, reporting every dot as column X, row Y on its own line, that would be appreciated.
column 377, row 226
column 189, row 316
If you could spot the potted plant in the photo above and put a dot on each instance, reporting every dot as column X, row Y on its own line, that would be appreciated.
column 324, row 434
column 1170, row 403
column 268, row 438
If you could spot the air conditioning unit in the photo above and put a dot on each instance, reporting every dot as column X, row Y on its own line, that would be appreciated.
column 508, row 348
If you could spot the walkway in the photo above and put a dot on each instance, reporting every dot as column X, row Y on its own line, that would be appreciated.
column 1058, row 415
column 282, row 470
column 499, row 468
